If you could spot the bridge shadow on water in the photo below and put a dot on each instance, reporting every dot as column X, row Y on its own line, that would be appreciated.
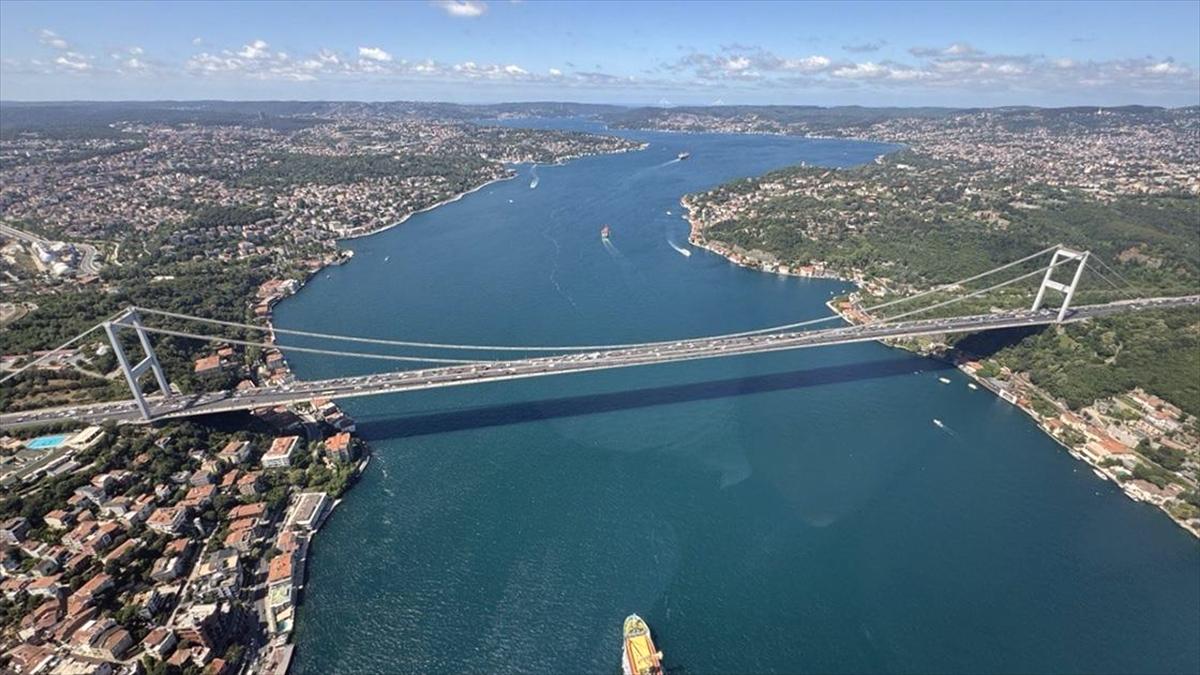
column 436, row 422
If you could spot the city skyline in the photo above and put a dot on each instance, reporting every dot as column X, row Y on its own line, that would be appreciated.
column 912, row 54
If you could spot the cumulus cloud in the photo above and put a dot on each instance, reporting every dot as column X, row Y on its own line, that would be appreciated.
column 254, row 50
column 74, row 61
column 462, row 8
column 957, row 65
column 52, row 39
column 373, row 54
column 739, row 62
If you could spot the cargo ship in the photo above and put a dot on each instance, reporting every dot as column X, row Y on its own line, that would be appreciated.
column 604, row 233
column 640, row 657
column 683, row 155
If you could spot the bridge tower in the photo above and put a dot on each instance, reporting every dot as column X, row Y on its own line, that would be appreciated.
column 133, row 373
column 1062, row 253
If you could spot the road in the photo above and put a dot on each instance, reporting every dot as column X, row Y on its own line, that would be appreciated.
column 88, row 262
column 495, row 371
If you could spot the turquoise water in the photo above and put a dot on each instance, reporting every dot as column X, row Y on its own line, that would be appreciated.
column 772, row 513
column 47, row 442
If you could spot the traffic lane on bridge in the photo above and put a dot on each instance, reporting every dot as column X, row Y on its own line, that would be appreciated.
column 496, row 371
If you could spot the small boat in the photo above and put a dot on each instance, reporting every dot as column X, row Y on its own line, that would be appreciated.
column 604, row 232
column 387, row 258
column 944, row 380
column 1100, row 474
column 510, row 201
column 668, row 212
column 972, row 385
column 938, row 423
column 533, row 183
column 640, row 656
column 683, row 155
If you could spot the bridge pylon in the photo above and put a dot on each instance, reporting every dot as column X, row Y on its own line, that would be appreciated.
column 1061, row 254
column 133, row 373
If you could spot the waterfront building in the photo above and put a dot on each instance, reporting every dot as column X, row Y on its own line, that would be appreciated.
column 308, row 511
column 340, row 447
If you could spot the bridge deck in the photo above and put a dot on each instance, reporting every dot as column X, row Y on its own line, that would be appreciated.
column 494, row 371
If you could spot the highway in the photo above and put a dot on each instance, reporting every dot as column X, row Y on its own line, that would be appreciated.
column 495, row 371
column 88, row 263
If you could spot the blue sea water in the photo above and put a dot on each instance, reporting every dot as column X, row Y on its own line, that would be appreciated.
column 791, row 512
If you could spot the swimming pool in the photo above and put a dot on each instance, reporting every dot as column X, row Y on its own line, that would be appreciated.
column 47, row 442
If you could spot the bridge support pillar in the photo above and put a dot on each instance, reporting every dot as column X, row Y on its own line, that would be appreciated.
column 133, row 372
column 1068, row 290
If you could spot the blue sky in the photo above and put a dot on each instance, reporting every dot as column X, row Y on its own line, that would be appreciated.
column 887, row 53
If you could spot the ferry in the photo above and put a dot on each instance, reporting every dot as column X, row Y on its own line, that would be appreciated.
column 683, row 155
column 604, row 233
column 639, row 657
column 944, row 380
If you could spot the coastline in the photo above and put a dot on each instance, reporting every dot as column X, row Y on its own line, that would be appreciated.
column 696, row 238
column 405, row 217
column 286, row 648
column 450, row 200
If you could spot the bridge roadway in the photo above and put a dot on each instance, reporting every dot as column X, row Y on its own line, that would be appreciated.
column 493, row 371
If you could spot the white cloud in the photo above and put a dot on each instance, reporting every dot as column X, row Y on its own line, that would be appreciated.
column 74, row 61
column 52, row 39
column 462, row 8
column 1166, row 68
column 959, row 49
column 374, row 54
column 858, row 71
column 957, row 66
column 515, row 70
column 808, row 64
column 254, row 50
column 555, row 72
column 197, row 41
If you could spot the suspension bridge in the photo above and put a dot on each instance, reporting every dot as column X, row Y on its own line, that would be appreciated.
column 544, row 361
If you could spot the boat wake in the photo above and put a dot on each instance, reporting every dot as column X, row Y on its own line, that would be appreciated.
column 942, row 425
column 554, row 269
column 679, row 249
column 534, row 183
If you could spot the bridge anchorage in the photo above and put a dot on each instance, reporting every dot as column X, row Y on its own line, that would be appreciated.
column 1062, row 254
column 133, row 373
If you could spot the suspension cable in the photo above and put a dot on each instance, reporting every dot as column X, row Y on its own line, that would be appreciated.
column 309, row 350
column 52, row 352
column 1110, row 269
column 1108, row 281
column 967, row 296
column 579, row 348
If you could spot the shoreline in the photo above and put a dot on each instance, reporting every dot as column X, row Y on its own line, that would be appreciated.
column 450, row 200
column 289, row 645
column 405, row 217
column 696, row 238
